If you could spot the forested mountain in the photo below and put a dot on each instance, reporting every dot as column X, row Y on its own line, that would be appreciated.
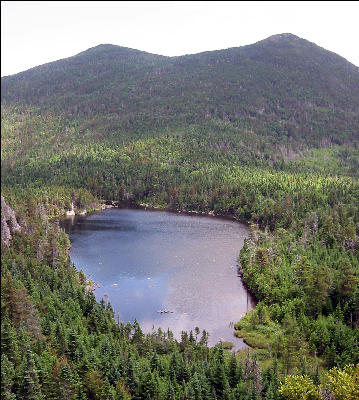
column 267, row 133
column 283, row 86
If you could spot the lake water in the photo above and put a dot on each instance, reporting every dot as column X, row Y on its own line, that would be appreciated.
column 147, row 261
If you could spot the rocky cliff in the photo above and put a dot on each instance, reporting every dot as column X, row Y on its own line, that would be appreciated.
column 9, row 224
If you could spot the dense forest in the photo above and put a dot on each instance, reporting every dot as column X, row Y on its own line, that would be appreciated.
column 267, row 134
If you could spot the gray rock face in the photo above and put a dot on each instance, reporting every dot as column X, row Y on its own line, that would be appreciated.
column 9, row 224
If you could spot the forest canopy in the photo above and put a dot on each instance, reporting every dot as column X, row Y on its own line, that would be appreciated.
column 267, row 134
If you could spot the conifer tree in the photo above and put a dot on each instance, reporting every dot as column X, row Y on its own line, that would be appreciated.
column 7, row 378
column 233, row 376
column 30, row 386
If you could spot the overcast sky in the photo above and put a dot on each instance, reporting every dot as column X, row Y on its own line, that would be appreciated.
column 33, row 33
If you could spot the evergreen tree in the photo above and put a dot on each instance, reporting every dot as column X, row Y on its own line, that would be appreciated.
column 66, row 383
column 233, row 373
column 30, row 386
column 7, row 378
column 148, row 386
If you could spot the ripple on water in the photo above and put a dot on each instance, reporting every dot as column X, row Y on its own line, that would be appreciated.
column 148, row 261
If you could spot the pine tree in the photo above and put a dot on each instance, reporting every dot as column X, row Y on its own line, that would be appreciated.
column 233, row 371
column 108, row 391
column 9, row 341
column 138, row 335
column 195, row 388
column 148, row 386
column 219, row 374
column 121, row 392
column 155, row 362
column 7, row 378
column 30, row 388
column 72, row 344
column 66, row 383
column 227, row 392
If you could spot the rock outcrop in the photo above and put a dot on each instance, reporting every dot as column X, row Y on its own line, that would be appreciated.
column 9, row 224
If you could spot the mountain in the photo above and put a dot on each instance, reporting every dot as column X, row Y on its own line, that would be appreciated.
column 267, row 134
column 283, row 86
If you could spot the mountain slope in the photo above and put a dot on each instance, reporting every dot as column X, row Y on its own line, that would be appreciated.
column 266, row 133
column 283, row 86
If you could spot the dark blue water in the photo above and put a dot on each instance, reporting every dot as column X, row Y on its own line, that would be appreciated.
column 149, row 261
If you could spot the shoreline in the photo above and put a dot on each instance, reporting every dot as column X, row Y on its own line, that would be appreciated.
column 150, row 207
column 91, row 286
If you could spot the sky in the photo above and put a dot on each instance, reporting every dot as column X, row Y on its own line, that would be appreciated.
column 37, row 32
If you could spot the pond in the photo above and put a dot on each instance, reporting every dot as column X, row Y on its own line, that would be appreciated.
column 149, row 261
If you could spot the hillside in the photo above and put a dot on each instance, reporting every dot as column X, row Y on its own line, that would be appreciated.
column 266, row 133
column 283, row 86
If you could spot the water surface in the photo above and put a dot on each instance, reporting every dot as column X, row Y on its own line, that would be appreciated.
column 147, row 261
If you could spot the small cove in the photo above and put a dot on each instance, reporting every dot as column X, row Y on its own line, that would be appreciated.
column 147, row 261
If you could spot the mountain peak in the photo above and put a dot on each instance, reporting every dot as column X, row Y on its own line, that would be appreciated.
column 284, row 39
column 114, row 48
column 107, row 47
column 283, row 36
column 104, row 46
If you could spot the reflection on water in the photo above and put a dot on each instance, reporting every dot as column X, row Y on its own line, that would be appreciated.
column 150, row 261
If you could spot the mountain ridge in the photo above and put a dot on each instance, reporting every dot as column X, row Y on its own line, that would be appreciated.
column 276, row 38
column 281, row 78
column 277, row 93
column 266, row 134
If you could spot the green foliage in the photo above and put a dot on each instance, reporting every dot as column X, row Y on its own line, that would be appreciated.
column 266, row 134
column 284, row 87
column 340, row 384
column 74, row 349
column 299, row 388
column 344, row 384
